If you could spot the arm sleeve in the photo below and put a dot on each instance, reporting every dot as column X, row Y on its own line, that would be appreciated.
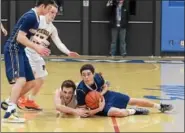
column 80, row 97
column 58, row 42
column 28, row 23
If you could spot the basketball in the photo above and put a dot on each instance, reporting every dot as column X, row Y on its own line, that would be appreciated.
column 92, row 99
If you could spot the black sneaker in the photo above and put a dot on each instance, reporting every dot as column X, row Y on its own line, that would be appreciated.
column 4, row 105
column 165, row 107
column 141, row 111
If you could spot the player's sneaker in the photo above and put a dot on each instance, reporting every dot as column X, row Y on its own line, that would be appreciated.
column 11, row 117
column 165, row 107
column 141, row 111
column 31, row 104
column 21, row 102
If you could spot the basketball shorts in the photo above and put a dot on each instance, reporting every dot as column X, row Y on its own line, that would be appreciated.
column 114, row 99
column 16, row 63
column 38, row 65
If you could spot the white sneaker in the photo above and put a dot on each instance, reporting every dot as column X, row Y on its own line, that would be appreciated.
column 13, row 119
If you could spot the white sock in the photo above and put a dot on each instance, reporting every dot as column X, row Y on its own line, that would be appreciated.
column 31, row 97
column 11, row 106
column 157, row 106
column 131, row 111
column 7, row 100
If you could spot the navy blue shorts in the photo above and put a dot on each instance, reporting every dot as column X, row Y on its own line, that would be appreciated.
column 16, row 64
column 114, row 99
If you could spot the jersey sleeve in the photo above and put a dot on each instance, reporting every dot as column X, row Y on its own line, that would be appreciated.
column 28, row 23
column 55, row 38
column 100, row 80
column 80, row 97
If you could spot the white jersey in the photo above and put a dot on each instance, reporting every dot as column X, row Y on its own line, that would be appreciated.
column 41, row 36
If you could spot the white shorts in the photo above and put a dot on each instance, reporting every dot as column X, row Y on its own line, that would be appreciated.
column 38, row 66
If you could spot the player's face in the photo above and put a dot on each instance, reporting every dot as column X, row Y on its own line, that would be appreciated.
column 45, row 9
column 87, row 77
column 52, row 13
column 67, row 94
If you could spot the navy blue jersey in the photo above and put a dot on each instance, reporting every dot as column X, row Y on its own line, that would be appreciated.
column 28, row 23
column 112, row 99
column 82, row 89
column 16, row 62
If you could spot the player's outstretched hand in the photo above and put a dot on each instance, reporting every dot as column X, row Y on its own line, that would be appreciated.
column 73, row 54
column 43, row 51
column 82, row 112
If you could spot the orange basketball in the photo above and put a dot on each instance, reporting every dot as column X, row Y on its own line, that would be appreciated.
column 92, row 99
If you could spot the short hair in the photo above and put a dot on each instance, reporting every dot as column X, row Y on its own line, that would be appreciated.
column 68, row 84
column 87, row 67
column 55, row 5
column 45, row 2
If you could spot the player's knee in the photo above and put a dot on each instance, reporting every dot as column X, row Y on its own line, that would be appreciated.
column 21, row 81
column 133, row 101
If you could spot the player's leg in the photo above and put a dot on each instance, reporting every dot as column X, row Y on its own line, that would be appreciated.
column 40, row 73
column 116, row 105
column 26, row 88
column 116, row 112
column 36, row 88
column 30, row 101
column 15, row 71
column 150, row 104
column 29, row 85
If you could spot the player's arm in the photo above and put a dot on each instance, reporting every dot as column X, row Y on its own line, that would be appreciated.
column 65, row 109
column 4, row 30
column 22, row 38
column 80, row 98
column 61, row 45
column 104, row 89
column 99, row 109
column 104, row 85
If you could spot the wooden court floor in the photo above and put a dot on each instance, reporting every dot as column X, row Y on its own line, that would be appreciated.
column 157, row 82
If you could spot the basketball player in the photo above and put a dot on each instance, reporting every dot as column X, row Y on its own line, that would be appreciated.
column 4, row 30
column 18, row 69
column 46, row 30
column 65, row 100
column 115, row 103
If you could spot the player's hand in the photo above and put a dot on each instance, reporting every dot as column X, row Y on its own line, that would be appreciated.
column 73, row 54
column 101, row 103
column 4, row 31
column 82, row 112
column 43, row 51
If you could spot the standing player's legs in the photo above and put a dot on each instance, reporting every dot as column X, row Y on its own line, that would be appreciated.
column 18, row 72
column 40, row 73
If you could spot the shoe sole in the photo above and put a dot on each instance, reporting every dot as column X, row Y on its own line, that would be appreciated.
column 32, row 108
